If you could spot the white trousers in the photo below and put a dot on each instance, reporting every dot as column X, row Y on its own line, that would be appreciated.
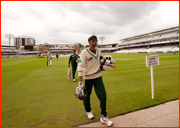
column 50, row 62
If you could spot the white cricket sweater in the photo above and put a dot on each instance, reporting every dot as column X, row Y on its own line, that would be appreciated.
column 89, row 64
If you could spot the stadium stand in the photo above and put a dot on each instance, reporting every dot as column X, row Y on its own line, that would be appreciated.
column 9, row 53
column 175, row 48
column 161, row 41
column 165, row 48
column 171, row 34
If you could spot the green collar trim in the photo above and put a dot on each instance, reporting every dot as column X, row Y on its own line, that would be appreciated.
column 92, row 54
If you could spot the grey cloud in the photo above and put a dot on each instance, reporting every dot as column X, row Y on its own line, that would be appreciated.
column 56, row 22
column 32, row 11
column 109, row 13
column 115, row 12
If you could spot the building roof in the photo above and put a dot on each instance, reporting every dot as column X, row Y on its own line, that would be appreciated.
column 103, row 44
column 55, row 48
column 103, row 49
column 58, row 45
column 7, row 46
column 151, row 33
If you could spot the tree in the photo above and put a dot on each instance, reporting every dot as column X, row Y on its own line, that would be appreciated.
column 80, row 45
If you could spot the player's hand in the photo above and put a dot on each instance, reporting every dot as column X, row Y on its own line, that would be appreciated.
column 81, row 84
column 102, row 69
column 68, row 66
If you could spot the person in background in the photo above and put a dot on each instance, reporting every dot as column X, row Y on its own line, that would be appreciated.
column 57, row 55
column 49, row 57
column 72, row 60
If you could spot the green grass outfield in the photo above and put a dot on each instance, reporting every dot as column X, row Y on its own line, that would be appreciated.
column 34, row 95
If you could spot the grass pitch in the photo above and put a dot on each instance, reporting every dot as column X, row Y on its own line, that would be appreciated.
column 34, row 95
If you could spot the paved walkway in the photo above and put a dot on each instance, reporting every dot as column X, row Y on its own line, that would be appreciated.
column 163, row 115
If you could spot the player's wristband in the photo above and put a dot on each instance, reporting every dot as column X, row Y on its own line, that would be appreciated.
column 80, row 73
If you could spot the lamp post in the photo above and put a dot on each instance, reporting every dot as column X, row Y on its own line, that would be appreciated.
column 102, row 38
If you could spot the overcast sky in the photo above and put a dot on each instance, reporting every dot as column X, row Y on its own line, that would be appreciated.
column 68, row 22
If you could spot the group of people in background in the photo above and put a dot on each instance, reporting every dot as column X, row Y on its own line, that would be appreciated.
column 89, row 67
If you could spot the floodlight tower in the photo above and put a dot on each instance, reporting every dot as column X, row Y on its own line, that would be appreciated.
column 102, row 38
column 10, row 36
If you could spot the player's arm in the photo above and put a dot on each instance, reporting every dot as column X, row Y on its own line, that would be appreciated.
column 80, row 69
column 80, row 78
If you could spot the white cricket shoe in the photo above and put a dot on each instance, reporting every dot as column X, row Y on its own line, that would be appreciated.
column 105, row 120
column 74, row 80
column 90, row 115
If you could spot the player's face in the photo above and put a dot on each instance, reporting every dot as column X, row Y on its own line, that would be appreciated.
column 93, row 42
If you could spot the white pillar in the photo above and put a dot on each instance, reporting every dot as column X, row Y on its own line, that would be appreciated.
column 152, row 82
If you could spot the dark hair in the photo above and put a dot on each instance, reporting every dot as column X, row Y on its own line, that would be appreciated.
column 92, row 37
